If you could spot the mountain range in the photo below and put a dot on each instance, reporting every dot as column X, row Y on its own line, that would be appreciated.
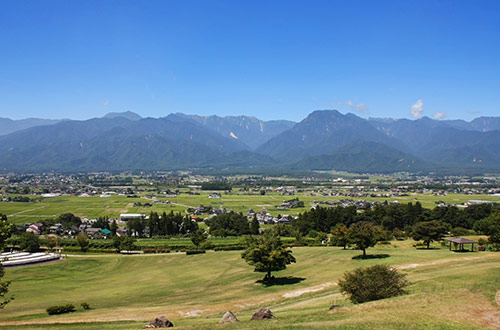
column 324, row 140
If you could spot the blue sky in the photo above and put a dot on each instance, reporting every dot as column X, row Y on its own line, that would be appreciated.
column 271, row 59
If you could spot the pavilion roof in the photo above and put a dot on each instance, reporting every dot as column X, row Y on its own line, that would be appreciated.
column 461, row 240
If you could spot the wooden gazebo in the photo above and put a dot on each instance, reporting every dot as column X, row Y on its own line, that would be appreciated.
column 460, row 241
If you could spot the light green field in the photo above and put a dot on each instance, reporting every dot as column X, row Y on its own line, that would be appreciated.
column 448, row 291
column 96, row 206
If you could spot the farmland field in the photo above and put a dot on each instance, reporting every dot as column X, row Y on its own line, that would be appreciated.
column 448, row 291
column 95, row 206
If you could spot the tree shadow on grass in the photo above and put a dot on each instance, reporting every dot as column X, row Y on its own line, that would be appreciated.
column 425, row 248
column 371, row 256
column 281, row 280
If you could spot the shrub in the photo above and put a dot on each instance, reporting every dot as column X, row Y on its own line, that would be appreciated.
column 156, row 250
column 61, row 309
column 229, row 248
column 207, row 245
column 85, row 305
column 83, row 241
column 29, row 242
column 460, row 231
column 373, row 283
column 128, row 244
column 188, row 252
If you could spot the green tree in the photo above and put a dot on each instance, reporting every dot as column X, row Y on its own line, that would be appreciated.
column 489, row 225
column 254, row 226
column 364, row 235
column 229, row 224
column 117, row 242
column 154, row 223
column 128, row 244
column 429, row 231
column 339, row 235
column 52, row 242
column 136, row 227
column 198, row 237
column 113, row 227
column 102, row 222
column 373, row 283
column 83, row 241
column 68, row 220
column 29, row 242
column 267, row 254
column 5, row 232
column 494, row 239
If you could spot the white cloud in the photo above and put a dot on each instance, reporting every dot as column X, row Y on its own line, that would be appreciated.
column 105, row 103
column 439, row 115
column 417, row 109
column 362, row 108
column 358, row 108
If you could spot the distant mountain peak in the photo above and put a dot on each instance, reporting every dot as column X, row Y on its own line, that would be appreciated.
column 126, row 114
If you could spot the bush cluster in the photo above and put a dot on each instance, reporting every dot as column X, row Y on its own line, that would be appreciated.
column 189, row 252
column 229, row 248
column 156, row 250
column 61, row 309
column 373, row 283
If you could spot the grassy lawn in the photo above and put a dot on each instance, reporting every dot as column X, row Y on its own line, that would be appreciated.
column 448, row 291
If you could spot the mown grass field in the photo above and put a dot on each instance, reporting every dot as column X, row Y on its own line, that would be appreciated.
column 93, row 207
column 448, row 291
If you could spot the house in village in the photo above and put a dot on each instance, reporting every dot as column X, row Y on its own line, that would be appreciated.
column 121, row 231
column 215, row 195
column 56, row 229
column 36, row 228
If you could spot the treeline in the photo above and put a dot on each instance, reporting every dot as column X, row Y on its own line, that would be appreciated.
column 216, row 185
column 19, row 199
column 390, row 216
column 232, row 224
column 162, row 225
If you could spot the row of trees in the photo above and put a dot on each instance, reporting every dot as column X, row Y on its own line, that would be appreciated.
column 391, row 216
column 232, row 224
column 164, row 225
column 366, row 234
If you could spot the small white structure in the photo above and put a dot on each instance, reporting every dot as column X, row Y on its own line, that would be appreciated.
column 9, row 259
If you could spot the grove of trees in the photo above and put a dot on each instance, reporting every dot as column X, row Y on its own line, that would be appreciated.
column 165, row 225
column 400, row 220
column 429, row 231
column 229, row 224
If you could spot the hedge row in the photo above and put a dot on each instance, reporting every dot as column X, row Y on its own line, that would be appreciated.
column 189, row 252
column 61, row 309
column 77, row 249
column 156, row 250
column 229, row 248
